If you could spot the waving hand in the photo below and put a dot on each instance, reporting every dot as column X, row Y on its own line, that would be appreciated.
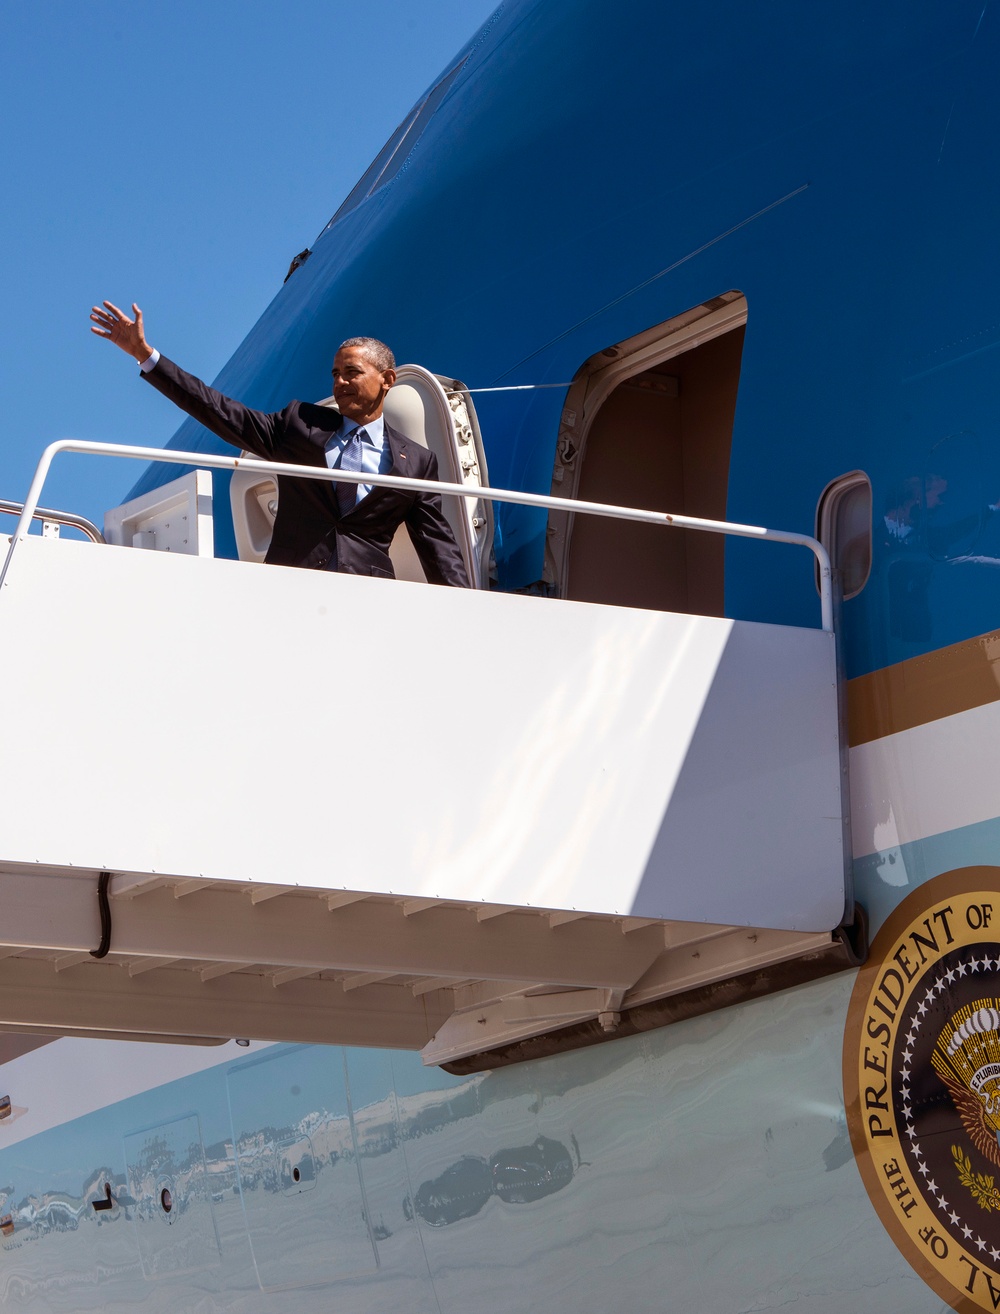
column 114, row 324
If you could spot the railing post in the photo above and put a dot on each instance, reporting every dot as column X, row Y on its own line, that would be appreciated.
column 31, row 502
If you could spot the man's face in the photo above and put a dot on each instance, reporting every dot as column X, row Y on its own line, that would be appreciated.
column 359, row 388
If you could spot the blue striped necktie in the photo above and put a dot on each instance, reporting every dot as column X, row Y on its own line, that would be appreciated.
column 347, row 494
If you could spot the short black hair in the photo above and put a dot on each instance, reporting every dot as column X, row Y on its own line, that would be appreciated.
column 377, row 352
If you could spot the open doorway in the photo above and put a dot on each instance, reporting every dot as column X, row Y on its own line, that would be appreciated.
column 648, row 423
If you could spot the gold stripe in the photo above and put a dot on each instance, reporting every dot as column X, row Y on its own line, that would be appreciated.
column 926, row 688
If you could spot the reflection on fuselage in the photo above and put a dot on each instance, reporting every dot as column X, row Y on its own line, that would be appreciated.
column 298, row 1164
column 517, row 1176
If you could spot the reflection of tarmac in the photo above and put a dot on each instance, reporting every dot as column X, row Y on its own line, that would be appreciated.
column 517, row 1176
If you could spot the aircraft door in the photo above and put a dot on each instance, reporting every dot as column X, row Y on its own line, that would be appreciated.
column 171, row 1198
column 299, row 1179
column 438, row 413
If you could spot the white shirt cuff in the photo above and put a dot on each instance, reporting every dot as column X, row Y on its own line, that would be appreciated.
column 150, row 362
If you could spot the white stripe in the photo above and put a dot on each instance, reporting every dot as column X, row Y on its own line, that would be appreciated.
column 926, row 781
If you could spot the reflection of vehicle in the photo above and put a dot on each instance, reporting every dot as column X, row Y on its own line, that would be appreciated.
column 460, row 1192
column 757, row 244
column 517, row 1176
column 530, row 1172
column 54, row 1215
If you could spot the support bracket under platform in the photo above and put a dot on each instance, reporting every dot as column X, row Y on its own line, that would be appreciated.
column 204, row 960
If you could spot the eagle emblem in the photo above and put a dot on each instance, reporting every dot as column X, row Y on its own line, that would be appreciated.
column 967, row 1059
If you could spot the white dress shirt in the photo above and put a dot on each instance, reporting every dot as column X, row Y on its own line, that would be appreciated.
column 376, row 456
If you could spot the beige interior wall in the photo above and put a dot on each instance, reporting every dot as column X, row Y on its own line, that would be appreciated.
column 709, row 381
column 633, row 458
column 663, row 453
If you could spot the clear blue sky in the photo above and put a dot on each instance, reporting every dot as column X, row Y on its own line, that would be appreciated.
column 178, row 155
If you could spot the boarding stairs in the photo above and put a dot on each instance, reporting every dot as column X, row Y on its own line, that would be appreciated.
column 242, row 801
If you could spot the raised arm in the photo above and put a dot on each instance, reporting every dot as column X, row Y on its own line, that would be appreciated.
column 253, row 431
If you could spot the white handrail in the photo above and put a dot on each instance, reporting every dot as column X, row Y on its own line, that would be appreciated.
column 205, row 460
column 64, row 518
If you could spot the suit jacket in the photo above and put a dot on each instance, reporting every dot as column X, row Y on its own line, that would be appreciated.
column 309, row 529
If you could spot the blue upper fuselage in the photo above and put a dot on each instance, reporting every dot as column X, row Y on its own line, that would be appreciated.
column 589, row 173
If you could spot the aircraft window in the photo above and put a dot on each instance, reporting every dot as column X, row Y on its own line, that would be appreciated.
column 844, row 527
column 648, row 422
column 391, row 157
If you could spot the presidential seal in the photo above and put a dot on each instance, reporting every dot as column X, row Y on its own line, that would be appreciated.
column 922, row 1083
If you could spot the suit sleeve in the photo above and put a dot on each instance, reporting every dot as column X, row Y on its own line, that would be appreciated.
column 432, row 537
column 253, row 431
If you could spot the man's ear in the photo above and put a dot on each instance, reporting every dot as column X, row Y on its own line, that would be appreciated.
column 389, row 377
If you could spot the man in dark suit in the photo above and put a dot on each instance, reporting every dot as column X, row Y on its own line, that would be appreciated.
column 320, row 525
